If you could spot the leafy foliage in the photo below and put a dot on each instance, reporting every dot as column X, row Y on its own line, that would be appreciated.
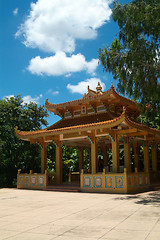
column 70, row 161
column 134, row 58
column 15, row 153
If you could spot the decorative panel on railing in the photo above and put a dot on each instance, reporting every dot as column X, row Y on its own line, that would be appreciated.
column 114, row 182
column 32, row 180
column 138, row 180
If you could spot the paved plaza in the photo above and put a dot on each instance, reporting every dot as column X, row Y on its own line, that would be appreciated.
column 28, row 214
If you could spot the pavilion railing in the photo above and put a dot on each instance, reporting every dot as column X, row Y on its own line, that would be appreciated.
column 115, row 182
column 32, row 180
column 154, row 176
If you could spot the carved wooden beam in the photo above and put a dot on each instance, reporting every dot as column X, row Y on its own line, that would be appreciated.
column 132, row 130
column 136, row 134
column 52, row 137
column 39, row 141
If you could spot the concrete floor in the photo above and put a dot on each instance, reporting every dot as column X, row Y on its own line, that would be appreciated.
column 28, row 214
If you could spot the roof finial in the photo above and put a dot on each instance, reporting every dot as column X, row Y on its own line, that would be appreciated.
column 88, row 88
column 99, row 88
column 111, row 84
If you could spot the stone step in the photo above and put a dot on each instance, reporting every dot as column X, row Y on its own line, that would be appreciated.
column 63, row 188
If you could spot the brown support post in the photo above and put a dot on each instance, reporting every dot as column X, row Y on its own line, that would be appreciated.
column 105, row 156
column 70, row 176
column 80, row 159
column 127, row 156
column 154, row 158
column 146, row 157
column 93, row 155
column 115, row 155
column 43, row 159
column 59, row 163
column 136, row 159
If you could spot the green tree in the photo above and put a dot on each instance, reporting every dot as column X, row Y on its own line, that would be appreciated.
column 15, row 153
column 70, row 161
column 134, row 58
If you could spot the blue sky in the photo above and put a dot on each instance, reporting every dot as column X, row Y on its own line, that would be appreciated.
column 49, row 48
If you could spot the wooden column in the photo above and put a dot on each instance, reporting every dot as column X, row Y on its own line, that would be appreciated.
column 105, row 156
column 136, row 158
column 43, row 159
column 80, row 159
column 154, row 158
column 115, row 155
column 58, row 163
column 146, row 157
column 93, row 156
column 127, row 156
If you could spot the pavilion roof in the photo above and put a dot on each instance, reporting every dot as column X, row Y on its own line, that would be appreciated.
column 61, row 127
column 108, row 97
column 81, row 120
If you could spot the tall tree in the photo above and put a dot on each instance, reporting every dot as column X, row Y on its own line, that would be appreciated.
column 15, row 153
column 134, row 58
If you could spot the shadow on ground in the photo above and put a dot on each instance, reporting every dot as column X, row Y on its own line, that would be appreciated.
column 152, row 198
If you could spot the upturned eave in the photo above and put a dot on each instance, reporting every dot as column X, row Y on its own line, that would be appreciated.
column 123, row 120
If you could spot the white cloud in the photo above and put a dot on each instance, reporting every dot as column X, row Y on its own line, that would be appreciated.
column 9, row 96
column 55, row 25
column 60, row 64
column 15, row 12
column 55, row 93
column 68, row 75
column 28, row 98
column 82, row 86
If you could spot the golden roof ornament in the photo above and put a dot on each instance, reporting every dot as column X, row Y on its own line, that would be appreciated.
column 99, row 88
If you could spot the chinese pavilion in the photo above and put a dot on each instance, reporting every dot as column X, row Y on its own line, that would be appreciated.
column 103, row 120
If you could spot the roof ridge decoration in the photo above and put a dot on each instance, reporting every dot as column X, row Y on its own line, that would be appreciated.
column 111, row 90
